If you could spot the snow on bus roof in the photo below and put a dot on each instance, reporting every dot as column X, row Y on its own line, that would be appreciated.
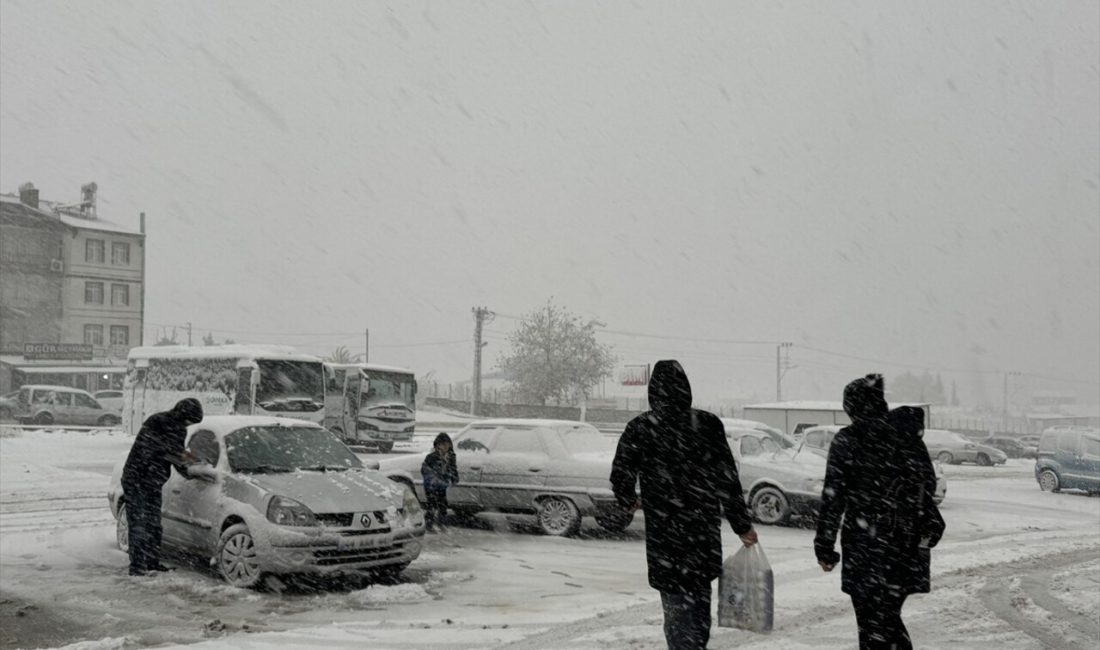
column 369, row 366
column 220, row 351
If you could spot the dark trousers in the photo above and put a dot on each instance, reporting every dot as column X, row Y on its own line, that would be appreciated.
column 436, row 508
column 687, row 619
column 879, row 619
column 143, row 519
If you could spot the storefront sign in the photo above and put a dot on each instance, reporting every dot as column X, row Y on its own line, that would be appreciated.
column 57, row 351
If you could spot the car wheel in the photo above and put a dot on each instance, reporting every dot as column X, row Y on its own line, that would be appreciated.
column 45, row 418
column 108, row 421
column 614, row 522
column 236, row 557
column 558, row 517
column 945, row 457
column 5, row 415
column 122, row 530
column 1048, row 481
column 770, row 506
column 385, row 447
column 984, row 461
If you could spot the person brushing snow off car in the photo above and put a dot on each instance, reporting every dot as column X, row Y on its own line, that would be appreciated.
column 156, row 449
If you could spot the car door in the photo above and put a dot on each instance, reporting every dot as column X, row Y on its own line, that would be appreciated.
column 1090, row 461
column 63, row 410
column 471, row 449
column 515, row 469
column 190, row 504
column 86, row 409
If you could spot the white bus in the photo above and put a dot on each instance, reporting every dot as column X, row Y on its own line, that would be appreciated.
column 226, row 379
column 369, row 404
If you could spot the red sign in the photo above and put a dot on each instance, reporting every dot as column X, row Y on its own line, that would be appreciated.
column 634, row 375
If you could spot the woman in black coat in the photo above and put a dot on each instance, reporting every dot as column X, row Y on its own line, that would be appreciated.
column 880, row 478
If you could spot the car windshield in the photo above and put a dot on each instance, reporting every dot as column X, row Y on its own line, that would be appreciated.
column 285, row 449
column 584, row 442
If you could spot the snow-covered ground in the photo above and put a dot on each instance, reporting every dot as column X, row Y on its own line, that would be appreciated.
column 1018, row 569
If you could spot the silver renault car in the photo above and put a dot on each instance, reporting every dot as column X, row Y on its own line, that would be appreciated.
column 280, row 496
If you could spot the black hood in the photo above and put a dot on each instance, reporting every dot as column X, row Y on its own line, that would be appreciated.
column 908, row 421
column 865, row 398
column 443, row 437
column 188, row 411
column 669, row 389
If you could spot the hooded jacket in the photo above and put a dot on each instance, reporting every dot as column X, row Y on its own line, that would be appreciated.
column 439, row 470
column 688, row 479
column 159, row 446
column 881, row 480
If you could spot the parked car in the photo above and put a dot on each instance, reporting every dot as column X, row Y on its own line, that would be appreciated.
column 1012, row 447
column 777, row 436
column 110, row 400
column 951, row 448
column 1069, row 459
column 1030, row 440
column 817, row 440
column 281, row 496
column 777, row 483
column 557, row 470
column 46, row 405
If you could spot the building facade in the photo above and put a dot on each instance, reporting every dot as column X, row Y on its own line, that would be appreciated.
column 79, row 279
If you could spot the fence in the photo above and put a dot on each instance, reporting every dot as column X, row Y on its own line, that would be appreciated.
column 494, row 410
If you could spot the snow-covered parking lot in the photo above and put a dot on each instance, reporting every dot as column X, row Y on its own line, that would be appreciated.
column 1018, row 568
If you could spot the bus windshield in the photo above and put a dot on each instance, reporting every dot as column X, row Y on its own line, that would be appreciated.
column 290, row 386
column 390, row 389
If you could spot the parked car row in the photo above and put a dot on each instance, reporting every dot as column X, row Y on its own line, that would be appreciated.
column 48, row 405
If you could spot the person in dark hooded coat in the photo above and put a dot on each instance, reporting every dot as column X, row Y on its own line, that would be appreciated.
column 881, row 480
column 688, row 480
column 439, row 471
column 157, row 448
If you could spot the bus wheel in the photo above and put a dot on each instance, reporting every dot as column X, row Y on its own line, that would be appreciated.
column 385, row 447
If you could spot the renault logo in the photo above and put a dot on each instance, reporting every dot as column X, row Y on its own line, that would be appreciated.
column 365, row 520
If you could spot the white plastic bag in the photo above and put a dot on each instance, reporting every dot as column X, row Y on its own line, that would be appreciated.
column 746, row 591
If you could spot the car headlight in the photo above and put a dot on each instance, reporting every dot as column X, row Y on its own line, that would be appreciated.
column 288, row 512
column 410, row 503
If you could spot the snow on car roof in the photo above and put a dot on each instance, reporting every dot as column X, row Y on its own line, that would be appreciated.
column 220, row 351
column 531, row 422
column 223, row 425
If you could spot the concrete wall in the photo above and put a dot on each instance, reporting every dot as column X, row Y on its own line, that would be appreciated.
column 30, row 292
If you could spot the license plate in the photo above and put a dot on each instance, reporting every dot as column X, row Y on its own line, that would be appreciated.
column 351, row 543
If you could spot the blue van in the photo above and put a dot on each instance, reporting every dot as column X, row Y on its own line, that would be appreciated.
column 1069, row 459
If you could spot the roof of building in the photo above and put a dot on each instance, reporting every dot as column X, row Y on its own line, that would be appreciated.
column 50, row 209
column 18, row 213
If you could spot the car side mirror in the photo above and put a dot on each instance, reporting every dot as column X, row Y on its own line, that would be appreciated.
column 372, row 464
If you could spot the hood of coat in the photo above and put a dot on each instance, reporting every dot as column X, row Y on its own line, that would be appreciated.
column 865, row 399
column 352, row 490
column 187, row 411
column 669, row 389
column 908, row 421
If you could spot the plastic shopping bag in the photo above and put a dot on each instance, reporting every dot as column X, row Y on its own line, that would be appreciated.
column 746, row 589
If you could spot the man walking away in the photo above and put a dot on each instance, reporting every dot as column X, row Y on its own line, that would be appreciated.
column 158, row 446
column 881, row 480
column 688, row 480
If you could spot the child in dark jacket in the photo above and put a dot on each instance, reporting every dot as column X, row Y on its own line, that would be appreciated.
column 439, row 471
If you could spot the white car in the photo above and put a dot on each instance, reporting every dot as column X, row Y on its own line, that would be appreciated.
column 817, row 440
column 776, row 481
column 48, row 405
column 281, row 496
column 557, row 470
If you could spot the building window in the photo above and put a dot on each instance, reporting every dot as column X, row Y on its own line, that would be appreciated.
column 120, row 294
column 120, row 335
column 120, row 254
column 93, row 334
column 94, row 250
column 93, row 294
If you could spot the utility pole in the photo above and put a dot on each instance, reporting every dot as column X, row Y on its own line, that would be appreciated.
column 481, row 316
column 188, row 333
column 366, row 345
column 781, row 368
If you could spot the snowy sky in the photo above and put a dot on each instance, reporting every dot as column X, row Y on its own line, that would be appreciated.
column 909, row 183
